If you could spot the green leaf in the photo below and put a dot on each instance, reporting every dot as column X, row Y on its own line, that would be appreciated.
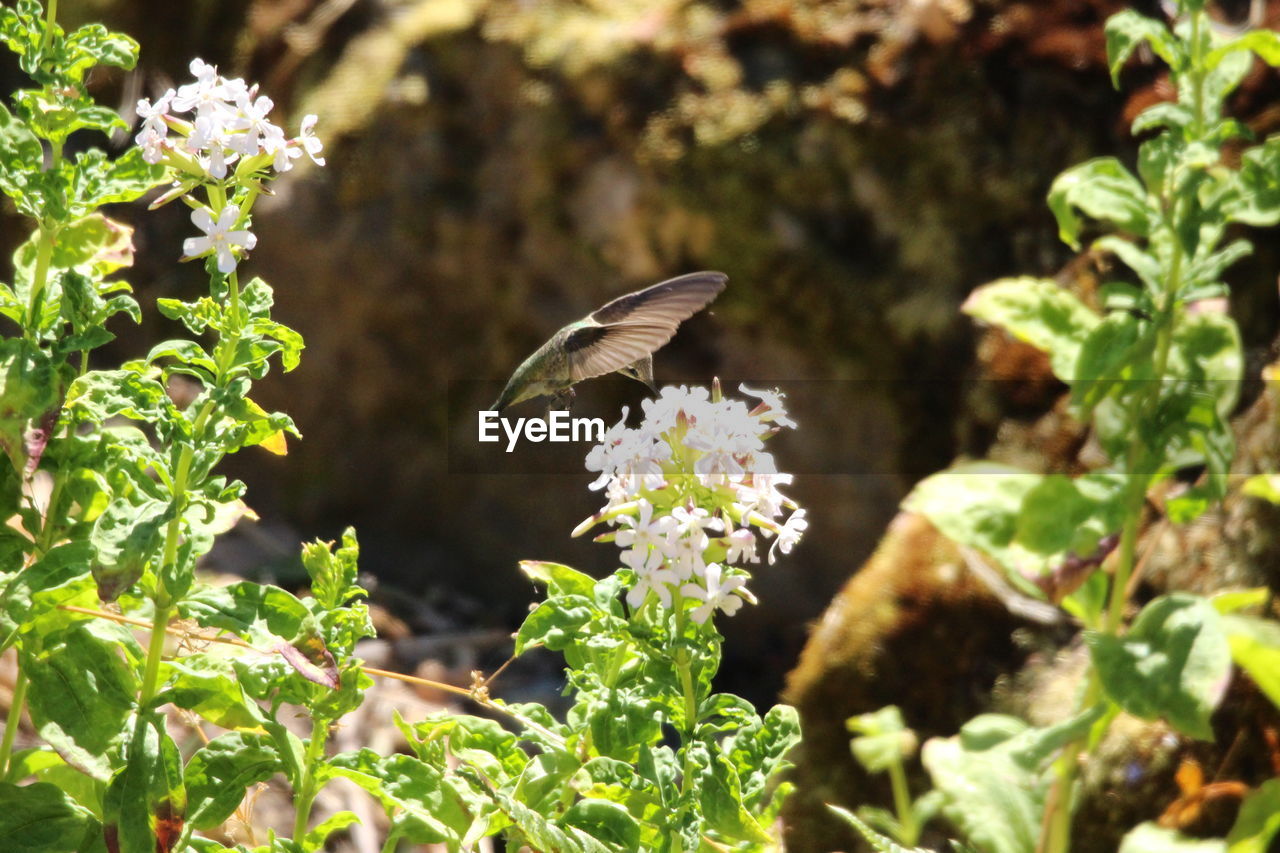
column 1037, row 311
column 556, row 623
column 1207, row 351
column 1118, row 349
column 878, row 842
column 1257, row 199
column 1126, row 30
column 1175, row 663
column 319, row 834
column 40, row 818
column 559, row 579
column 1264, row 486
column 1150, row 838
column 20, row 150
column 994, row 777
column 882, row 741
column 427, row 807
column 187, row 353
column 290, row 342
column 200, row 684
column 252, row 611
column 1255, row 647
column 1102, row 189
column 97, row 181
column 1258, row 824
column 1264, row 43
column 606, row 821
column 100, row 395
column 978, row 504
column 220, row 771
column 80, row 691
column 1064, row 514
column 145, row 803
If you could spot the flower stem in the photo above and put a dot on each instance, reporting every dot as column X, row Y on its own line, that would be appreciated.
column 11, row 722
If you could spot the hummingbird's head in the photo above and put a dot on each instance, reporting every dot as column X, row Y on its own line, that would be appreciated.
column 515, row 391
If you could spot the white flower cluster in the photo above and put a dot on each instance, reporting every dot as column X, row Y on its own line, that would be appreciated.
column 202, row 129
column 227, row 121
column 692, row 490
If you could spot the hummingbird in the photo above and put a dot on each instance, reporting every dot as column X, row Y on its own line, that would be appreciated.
column 621, row 336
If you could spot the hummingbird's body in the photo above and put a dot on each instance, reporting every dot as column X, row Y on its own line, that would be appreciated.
column 622, row 336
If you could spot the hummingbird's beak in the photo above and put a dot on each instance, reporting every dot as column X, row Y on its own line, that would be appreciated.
column 506, row 398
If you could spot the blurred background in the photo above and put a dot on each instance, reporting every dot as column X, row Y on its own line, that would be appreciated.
column 497, row 168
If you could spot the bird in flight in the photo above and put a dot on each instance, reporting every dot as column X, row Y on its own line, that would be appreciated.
column 621, row 336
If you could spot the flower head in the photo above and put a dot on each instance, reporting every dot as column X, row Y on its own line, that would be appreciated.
column 717, row 592
column 220, row 237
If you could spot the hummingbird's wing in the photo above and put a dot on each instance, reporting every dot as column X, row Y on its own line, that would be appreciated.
column 632, row 327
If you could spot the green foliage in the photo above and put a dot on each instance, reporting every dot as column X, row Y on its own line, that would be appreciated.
column 136, row 501
column 1155, row 371
column 993, row 777
column 1173, row 663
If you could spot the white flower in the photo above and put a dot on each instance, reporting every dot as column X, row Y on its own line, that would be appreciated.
column 252, row 127
column 759, row 492
column 151, row 142
column 209, row 94
column 688, row 540
column 646, row 530
column 789, row 534
column 663, row 413
column 309, row 142
column 695, row 520
column 771, row 408
column 219, row 237
column 741, row 546
column 210, row 137
column 645, row 563
column 283, row 153
column 718, row 593
column 601, row 457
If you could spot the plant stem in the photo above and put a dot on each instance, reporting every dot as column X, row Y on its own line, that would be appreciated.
column 44, row 254
column 909, row 833
column 307, row 789
column 155, row 649
column 11, row 722
column 50, row 21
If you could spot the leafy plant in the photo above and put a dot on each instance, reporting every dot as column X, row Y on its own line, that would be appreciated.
column 112, row 497
column 1156, row 375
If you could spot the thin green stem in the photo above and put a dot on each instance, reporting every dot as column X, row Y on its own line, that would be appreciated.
column 11, row 721
column 50, row 21
column 39, row 277
column 155, row 650
column 909, row 831
column 390, row 845
column 1197, row 74
column 307, row 788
